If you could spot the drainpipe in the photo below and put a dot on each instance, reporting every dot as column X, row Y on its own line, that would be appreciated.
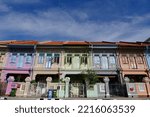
column 33, row 62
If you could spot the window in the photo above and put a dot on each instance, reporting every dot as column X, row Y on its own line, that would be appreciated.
column 124, row 59
column 28, row 58
column 84, row 59
column 48, row 60
column 68, row 59
column 76, row 61
column 132, row 62
column 56, row 58
column 13, row 58
column 20, row 60
column 104, row 62
column 112, row 62
column 41, row 58
column 96, row 61
column 139, row 59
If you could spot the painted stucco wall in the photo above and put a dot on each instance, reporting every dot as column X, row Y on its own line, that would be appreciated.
column 3, row 54
column 14, row 65
column 43, row 67
column 75, row 61
column 20, row 64
column 132, row 61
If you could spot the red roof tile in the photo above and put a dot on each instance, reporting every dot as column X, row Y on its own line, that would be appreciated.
column 51, row 43
column 129, row 44
column 24, row 42
column 6, row 42
column 75, row 43
column 102, row 43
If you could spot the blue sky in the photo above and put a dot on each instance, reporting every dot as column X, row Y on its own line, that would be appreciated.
column 86, row 20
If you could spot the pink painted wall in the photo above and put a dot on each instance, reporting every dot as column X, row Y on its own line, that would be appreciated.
column 141, row 93
column 10, row 86
column 12, row 67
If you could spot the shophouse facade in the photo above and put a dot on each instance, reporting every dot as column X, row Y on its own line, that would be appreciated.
column 19, row 63
column 76, row 60
column 133, row 66
column 32, row 68
column 105, row 64
column 47, row 61
column 3, row 54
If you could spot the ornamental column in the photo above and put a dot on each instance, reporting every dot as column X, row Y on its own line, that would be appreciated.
column 27, row 86
column 67, row 80
column 106, row 80
column 147, row 80
column 48, row 80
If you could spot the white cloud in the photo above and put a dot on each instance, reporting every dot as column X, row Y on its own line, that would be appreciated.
column 58, row 22
column 4, row 7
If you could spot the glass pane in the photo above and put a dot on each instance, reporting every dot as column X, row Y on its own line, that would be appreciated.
column 97, row 61
column 49, row 55
column 13, row 58
column 56, row 55
column 112, row 62
column 104, row 62
column 48, row 62
column 41, row 58
column 28, row 58
column 76, row 62
column 20, row 61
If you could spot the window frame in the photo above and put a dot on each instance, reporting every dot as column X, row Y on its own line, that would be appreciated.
column 68, row 59
column 13, row 58
column 56, row 58
column 83, row 59
column 41, row 58
column 102, row 62
column 124, row 59
column 48, row 60
column 30, row 60
column 111, row 64
column 139, row 59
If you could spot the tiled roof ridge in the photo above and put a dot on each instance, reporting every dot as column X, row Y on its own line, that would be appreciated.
column 73, row 42
column 24, row 42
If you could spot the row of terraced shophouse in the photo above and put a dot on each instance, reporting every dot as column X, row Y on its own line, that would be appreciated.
column 30, row 68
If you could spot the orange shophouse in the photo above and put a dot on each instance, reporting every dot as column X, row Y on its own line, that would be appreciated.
column 133, row 68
